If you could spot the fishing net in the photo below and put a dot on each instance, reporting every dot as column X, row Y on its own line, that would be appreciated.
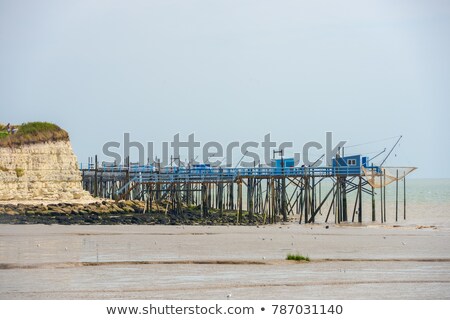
column 380, row 177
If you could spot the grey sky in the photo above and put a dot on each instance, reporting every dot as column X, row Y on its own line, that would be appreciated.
column 233, row 70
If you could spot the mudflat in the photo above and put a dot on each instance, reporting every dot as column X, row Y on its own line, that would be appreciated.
column 209, row 262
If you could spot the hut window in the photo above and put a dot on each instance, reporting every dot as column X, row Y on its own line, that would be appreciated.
column 351, row 162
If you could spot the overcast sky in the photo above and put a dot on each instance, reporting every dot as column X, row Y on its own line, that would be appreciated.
column 233, row 71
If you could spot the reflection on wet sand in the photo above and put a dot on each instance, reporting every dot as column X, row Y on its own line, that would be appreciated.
column 207, row 262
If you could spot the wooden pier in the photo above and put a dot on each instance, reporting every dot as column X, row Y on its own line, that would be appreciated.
column 309, row 194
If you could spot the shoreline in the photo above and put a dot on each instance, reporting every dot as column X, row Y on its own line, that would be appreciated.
column 134, row 212
column 108, row 212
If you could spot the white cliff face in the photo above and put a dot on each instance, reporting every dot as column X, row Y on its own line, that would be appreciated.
column 43, row 171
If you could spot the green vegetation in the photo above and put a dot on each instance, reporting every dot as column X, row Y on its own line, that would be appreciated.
column 297, row 257
column 20, row 172
column 30, row 133
column 3, row 132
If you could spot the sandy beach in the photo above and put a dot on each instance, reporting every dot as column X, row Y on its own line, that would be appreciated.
column 407, row 261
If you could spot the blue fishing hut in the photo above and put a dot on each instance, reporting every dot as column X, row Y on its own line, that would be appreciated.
column 349, row 164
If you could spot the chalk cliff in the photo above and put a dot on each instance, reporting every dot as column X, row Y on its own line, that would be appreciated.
column 40, row 171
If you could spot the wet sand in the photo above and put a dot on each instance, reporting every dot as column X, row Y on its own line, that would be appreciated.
column 209, row 262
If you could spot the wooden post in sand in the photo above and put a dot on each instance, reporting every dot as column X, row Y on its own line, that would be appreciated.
column 96, row 178
column 272, row 204
column 250, row 204
column 384, row 195
column 373, row 205
column 396, row 198
column 381, row 197
column 344, row 200
column 283, row 197
column 313, row 199
column 231, row 196
column 301, row 204
column 337, row 204
column 178, row 198
column 150, row 198
column 404, row 196
column 306, row 201
column 239, row 219
column 320, row 196
column 360, row 200
column 204, row 199
column 220, row 197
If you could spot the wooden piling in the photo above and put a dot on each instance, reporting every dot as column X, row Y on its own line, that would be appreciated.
column 239, row 216
column 96, row 178
column 404, row 197
column 373, row 205
column 273, row 197
column 204, row 199
column 220, row 196
column 306, row 201
column 396, row 198
column 313, row 200
column 320, row 196
column 344, row 200
column 250, row 203
column 381, row 198
column 384, row 195
column 360, row 200
column 283, row 199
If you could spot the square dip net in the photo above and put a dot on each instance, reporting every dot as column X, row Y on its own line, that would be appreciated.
column 386, row 175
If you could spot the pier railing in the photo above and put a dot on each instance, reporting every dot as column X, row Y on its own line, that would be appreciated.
column 173, row 174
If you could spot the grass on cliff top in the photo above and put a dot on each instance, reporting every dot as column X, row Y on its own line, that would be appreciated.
column 31, row 133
